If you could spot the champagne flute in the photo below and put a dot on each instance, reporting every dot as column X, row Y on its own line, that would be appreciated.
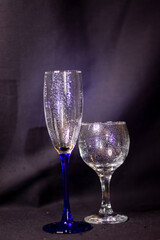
column 63, row 102
column 104, row 147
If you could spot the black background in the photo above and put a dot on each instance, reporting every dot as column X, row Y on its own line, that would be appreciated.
column 116, row 44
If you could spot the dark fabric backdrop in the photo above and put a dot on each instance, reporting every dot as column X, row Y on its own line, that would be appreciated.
column 116, row 44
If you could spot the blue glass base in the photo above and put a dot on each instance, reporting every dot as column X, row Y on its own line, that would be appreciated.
column 65, row 228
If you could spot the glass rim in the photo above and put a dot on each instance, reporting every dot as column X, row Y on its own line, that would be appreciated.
column 58, row 71
column 105, row 123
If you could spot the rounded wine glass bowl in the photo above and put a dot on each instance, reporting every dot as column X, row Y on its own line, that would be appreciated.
column 63, row 102
column 104, row 147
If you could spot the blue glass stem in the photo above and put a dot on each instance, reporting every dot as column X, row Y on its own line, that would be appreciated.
column 66, row 216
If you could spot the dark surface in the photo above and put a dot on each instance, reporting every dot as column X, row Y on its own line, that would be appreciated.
column 116, row 44
column 26, row 223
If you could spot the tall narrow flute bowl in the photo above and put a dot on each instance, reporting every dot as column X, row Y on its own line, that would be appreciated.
column 104, row 147
column 63, row 102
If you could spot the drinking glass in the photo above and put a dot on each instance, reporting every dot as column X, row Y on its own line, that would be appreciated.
column 63, row 102
column 104, row 147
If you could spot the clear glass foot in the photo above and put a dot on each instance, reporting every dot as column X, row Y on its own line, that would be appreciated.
column 65, row 228
column 108, row 219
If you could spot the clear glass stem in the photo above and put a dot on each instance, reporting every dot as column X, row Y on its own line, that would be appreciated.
column 66, row 216
column 106, row 208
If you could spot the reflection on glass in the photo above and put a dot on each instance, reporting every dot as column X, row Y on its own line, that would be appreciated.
column 104, row 147
column 63, row 99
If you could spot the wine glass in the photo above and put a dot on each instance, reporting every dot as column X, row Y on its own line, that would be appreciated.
column 104, row 147
column 63, row 102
